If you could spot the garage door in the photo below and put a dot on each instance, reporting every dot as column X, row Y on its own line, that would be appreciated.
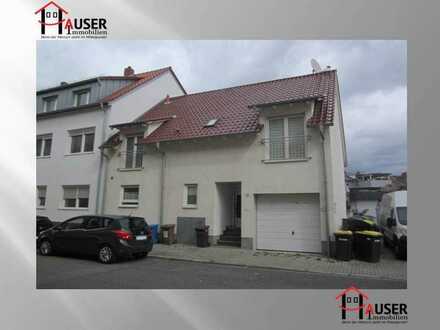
column 288, row 222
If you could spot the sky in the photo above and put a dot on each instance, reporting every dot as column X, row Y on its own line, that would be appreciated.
column 372, row 78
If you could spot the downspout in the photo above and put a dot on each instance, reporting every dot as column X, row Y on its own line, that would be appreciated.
column 162, row 178
column 99, row 193
column 325, row 190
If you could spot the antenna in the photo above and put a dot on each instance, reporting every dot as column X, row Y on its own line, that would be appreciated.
column 315, row 65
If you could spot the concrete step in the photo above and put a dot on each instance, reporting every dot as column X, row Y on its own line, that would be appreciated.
column 229, row 243
column 234, row 238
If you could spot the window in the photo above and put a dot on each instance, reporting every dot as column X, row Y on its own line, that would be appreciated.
column 77, row 223
column 44, row 145
column 190, row 195
column 50, row 103
column 94, row 223
column 76, row 196
column 287, row 138
column 211, row 122
column 81, row 97
column 41, row 196
column 134, row 153
column 82, row 140
column 130, row 196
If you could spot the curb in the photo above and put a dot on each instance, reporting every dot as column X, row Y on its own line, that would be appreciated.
column 277, row 268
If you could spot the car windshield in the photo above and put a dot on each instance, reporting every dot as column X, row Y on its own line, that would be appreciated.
column 401, row 214
column 133, row 224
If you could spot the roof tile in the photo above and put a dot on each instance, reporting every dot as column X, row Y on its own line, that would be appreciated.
column 233, row 107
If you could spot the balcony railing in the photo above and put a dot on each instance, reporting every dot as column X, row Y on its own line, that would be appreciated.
column 286, row 148
column 131, row 160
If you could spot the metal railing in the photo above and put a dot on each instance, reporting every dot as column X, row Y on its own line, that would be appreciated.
column 131, row 159
column 285, row 148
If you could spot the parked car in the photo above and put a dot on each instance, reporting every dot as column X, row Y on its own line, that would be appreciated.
column 106, row 237
column 43, row 223
column 393, row 220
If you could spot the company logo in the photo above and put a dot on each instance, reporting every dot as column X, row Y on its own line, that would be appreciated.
column 55, row 23
column 355, row 307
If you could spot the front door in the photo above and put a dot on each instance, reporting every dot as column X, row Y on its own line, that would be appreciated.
column 236, row 214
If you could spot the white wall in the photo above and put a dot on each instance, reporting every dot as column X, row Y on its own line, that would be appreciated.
column 141, row 99
column 83, row 169
column 214, row 160
column 61, row 168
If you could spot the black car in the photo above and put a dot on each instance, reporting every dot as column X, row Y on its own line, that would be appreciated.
column 104, row 236
column 43, row 223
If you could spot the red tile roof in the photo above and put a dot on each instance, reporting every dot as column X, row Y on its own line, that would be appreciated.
column 139, row 79
column 233, row 107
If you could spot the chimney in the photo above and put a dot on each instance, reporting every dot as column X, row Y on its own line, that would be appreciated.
column 63, row 83
column 128, row 71
column 167, row 99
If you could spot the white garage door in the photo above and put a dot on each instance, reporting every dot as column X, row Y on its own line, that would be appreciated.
column 288, row 222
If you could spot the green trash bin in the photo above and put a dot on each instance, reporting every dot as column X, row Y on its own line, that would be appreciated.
column 368, row 245
column 343, row 245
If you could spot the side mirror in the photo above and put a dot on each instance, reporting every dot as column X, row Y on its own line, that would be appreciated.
column 391, row 222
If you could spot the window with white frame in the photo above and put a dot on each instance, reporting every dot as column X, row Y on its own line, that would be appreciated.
column 134, row 152
column 82, row 140
column 286, row 138
column 41, row 196
column 44, row 145
column 76, row 196
column 81, row 97
column 50, row 103
column 130, row 196
column 190, row 195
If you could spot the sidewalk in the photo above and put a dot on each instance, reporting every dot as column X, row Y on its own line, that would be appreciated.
column 387, row 268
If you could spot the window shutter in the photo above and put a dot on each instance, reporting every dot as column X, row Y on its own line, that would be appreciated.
column 69, row 193
column 131, row 193
column 276, row 138
column 83, row 192
column 41, row 192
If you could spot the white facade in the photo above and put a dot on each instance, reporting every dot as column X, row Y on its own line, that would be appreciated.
column 214, row 163
column 87, row 169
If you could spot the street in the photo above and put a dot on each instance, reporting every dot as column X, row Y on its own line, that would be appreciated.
column 155, row 273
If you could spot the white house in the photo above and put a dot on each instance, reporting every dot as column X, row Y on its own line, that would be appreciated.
column 73, row 121
column 261, row 164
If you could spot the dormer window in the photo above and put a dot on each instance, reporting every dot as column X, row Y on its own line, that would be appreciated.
column 81, row 97
column 211, row 122
column 50, row 103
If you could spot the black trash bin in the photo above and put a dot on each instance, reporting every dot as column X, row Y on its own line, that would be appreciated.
column 202, row 236
column 368, row 245
column 343, row 245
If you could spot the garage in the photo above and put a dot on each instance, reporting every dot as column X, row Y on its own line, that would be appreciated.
column 288, row 222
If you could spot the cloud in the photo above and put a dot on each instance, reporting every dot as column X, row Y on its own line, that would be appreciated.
column 372, row 77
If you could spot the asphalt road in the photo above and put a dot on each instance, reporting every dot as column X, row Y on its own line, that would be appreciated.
column 154, row 273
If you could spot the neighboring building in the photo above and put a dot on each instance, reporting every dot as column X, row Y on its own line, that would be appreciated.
column 73, row 121
column 263, row 160
column 398, row 182
column 366, row 190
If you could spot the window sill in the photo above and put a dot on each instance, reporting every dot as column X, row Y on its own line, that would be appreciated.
column 274, row 161
column 43, row 157
column 136, row 169
column 73, row 208
column 79, row 153
column 128, row 206
column 41, row 207
column 189, row 206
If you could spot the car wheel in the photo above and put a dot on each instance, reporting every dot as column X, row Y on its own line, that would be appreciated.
column 106, row 254
column 45, row 248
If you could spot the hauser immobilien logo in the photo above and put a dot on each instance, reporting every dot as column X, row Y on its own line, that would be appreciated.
column 355, row 307
column 56, row 24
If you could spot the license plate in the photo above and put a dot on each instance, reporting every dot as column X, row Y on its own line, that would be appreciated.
column 141, row 238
